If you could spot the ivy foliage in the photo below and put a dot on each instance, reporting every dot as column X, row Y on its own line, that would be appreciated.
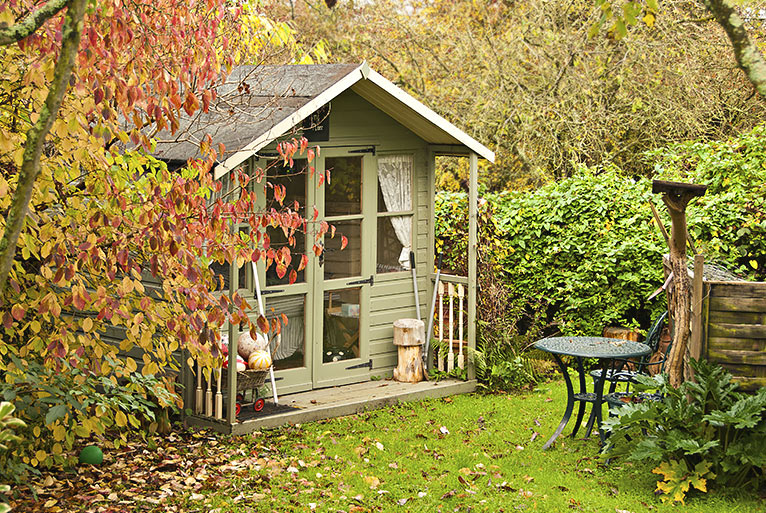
column 65, row 405
column 707, row 426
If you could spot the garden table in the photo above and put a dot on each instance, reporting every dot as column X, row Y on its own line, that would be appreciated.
column 605, row 350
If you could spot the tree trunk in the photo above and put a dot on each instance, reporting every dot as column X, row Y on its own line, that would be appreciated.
column 679, row 294
column 30, row 167
column 746, row 52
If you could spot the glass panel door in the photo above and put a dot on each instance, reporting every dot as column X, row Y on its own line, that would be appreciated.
column 344, row 274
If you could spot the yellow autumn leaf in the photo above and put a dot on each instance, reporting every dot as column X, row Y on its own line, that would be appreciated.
column 59, row 433
column 87, row 324
column 130, row 365
column 121, row 419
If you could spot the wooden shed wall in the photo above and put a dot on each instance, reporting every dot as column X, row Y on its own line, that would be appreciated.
column 735, row 319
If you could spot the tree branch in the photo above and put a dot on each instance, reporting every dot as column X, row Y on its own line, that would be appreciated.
column 746, row 52
column 30, row 166
column 33, row 21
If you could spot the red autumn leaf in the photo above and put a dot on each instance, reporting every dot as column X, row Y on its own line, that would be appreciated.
column 343, row 242
column 263, row 324
column 293, row 276
column 304, row 262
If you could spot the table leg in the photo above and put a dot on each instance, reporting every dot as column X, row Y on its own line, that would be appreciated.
column 595, row 414
column 570, row 402
column 583, row 389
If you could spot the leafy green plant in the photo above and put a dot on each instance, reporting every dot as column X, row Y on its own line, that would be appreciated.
column 62, row 406
column 8, row 423
column 718, row 433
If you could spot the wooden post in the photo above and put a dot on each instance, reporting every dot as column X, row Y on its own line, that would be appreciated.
column 409, row 337
column 695, row 340
column 473, row 237
column 440, row 352
column 676, row 197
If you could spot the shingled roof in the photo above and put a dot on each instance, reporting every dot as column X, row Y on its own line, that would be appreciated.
column 258, row 104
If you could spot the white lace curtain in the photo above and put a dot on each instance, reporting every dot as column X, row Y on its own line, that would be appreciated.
column 395, row 176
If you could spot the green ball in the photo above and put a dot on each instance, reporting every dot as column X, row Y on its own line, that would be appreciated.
column 92, row 454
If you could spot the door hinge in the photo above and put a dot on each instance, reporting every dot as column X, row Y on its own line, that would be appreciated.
column 361, row 365
column 370, row 280
column 371, row 149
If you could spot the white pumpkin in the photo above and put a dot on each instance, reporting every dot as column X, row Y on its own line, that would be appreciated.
column 259, row 360
column 248, row 346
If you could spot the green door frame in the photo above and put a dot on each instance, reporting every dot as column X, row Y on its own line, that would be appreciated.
column 354, row 369
column 315, row 373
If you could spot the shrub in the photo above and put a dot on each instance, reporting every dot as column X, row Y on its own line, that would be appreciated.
column 729, row 222
column 61, row 407
column 701, row 431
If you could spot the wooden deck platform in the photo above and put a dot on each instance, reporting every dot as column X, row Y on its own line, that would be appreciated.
column 337, row 402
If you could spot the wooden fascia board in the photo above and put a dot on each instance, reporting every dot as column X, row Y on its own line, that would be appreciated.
column 431, row 116
column 288, row 123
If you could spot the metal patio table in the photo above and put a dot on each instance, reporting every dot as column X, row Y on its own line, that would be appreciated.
column 606, row 350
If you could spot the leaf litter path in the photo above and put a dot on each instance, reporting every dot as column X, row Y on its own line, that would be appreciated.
column 172, row 477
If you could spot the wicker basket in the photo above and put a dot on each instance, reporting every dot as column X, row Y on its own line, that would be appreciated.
column 246, row 379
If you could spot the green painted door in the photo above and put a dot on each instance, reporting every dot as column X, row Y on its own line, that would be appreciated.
column 294, row 354
column 343, row 273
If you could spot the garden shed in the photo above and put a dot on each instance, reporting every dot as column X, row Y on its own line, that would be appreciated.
column 380, row 145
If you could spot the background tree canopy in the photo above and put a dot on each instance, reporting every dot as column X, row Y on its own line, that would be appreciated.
column 531, row 81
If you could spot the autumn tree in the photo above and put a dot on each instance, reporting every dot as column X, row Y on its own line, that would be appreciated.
column 107, row 240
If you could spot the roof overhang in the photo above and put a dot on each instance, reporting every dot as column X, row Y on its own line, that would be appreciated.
column 384, row 95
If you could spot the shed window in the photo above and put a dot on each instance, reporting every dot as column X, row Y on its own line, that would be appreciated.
column 395, row 212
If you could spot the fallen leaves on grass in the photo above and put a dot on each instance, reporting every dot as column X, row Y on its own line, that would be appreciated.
column 187, row 465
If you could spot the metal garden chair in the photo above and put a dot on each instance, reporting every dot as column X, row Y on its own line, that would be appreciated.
column 620, row 372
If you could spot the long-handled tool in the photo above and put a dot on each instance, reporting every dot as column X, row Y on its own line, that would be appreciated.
column 415, row 283
column 262, row 311
column 460, row 296
column 430, row 330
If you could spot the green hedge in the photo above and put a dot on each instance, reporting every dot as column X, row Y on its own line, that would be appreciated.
column 587, row 247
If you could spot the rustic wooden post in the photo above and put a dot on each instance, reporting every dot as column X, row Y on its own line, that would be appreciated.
column 409, row 337
column 676, row 197
column 695, row 342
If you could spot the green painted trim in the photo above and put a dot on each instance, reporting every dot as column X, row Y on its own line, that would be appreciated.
column 473, row 202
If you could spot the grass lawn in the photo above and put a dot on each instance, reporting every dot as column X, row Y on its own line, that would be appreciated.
column 466, row 453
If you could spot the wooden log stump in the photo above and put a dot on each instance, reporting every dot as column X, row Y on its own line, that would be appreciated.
column 409, row 337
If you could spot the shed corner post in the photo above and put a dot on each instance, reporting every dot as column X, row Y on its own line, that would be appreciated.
column 473, row 230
